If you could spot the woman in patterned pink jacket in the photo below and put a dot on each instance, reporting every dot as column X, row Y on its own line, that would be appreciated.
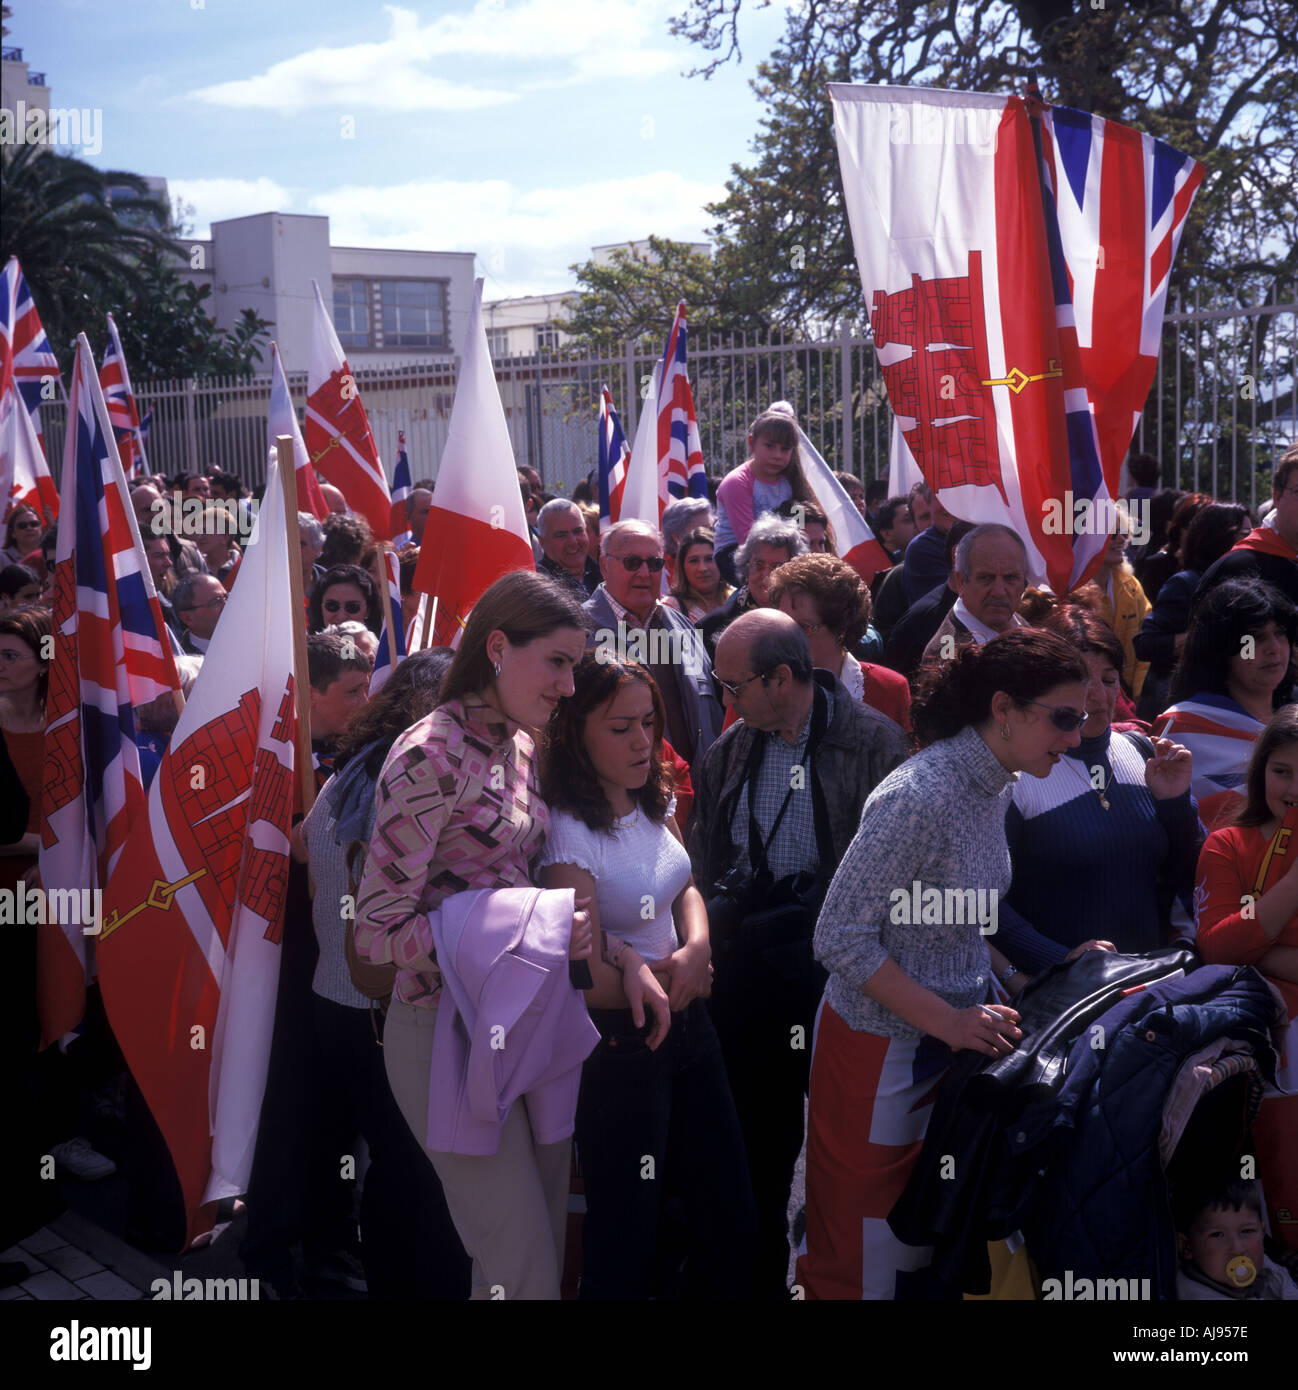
column 458, row 809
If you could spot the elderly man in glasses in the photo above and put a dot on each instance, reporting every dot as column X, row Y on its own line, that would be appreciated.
column 627, row 618
column 198, row 600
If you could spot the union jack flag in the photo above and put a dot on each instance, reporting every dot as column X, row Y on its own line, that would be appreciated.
column 110, row 656
column 1015, row 261
column 680, row 454
column 400, row 526
column 115, row 380
column 26, row 358
column 614, row 455
column 1109, row 188
column 393, row 637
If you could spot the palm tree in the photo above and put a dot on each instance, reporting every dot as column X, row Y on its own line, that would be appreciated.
column 80, row 234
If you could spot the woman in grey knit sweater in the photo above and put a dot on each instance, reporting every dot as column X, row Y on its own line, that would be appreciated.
column 904, row 933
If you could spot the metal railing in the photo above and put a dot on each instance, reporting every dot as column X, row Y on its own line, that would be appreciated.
column 1223, row 406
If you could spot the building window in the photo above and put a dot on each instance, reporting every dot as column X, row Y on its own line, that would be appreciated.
column 498, row 342
column 413, row 313
column 547, row 339
column 351, row 313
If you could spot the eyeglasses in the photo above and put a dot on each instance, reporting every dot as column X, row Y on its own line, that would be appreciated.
column 633, row 562
column 748, row 680
column 351, row 605
column 1067, row 721
column 217, row 602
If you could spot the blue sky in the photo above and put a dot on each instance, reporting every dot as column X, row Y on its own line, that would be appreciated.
column 523, row 130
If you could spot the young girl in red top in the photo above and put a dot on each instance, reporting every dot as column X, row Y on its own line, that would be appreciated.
column 1247, row 897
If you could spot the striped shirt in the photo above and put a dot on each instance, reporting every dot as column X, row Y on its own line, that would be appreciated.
column 457, row 808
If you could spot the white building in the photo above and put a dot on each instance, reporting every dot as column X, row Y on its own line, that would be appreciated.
column 388, row 307
column 525, row 326
column 17, row 81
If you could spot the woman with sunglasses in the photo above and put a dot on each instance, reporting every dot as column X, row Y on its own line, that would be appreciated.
column 1093, row 842
column 912, row 979
column 344, row 593
column 458, row 809
column 22, row 535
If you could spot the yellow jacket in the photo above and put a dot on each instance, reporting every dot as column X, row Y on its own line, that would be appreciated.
column 1124, row 614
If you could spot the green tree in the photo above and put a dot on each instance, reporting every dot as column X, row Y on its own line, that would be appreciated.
column 166, row 331
column 92, row 242
column 1216, row 78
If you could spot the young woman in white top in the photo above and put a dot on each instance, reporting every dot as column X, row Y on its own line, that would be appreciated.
column 655, row 1117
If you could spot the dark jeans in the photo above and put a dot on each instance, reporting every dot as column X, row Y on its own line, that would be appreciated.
column 409, row 1245
column 756, row 1006
column 650, row 1125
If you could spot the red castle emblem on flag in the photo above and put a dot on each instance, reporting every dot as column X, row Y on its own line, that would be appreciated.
column 944, row 382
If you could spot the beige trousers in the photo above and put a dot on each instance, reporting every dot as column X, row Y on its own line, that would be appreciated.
column 510, row 1207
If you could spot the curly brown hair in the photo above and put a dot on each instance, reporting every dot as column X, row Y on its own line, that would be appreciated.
column 840, row 594
column 568, row 778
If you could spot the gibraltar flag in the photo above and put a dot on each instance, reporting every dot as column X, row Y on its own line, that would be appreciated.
column 282, row 419
column 476, row 529
column 338, row 435
column 190, row 946
column 24, row 475
column 1015, row 266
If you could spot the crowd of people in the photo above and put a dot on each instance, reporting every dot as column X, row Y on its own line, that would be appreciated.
column 651, row 879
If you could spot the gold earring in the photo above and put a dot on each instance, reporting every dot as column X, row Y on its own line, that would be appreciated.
column 1005, row 732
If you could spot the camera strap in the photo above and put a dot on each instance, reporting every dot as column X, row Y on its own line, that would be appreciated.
column 757, row 847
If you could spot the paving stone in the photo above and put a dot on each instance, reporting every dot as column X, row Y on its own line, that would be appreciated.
column 73, row 1263
column 20, row 1256
column 51, row 1287
column 114, row 1254
column 42, row 1240
column 106, row 1286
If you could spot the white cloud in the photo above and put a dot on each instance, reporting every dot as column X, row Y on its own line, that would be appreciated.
column 216, row 199
column 581, row 40
column 525, row 239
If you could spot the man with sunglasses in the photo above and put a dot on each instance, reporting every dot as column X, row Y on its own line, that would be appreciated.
column 625, row 609
column 198, row 601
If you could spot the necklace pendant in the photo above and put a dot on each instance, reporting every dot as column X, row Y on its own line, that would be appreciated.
column 1104, row 800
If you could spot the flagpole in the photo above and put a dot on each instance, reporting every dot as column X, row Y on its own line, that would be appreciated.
column 301, row 670
column 386, row 596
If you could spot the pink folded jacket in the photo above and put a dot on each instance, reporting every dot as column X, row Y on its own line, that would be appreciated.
column 509, row 1023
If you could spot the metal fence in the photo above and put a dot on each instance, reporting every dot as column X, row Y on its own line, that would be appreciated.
column 1223, row 406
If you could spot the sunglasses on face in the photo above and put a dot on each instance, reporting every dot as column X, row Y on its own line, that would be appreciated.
column 30, row 525
column 633, row 562
column 351, row 605
column 1067, row 721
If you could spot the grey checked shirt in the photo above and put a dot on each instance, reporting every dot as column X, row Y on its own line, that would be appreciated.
column 794, row 847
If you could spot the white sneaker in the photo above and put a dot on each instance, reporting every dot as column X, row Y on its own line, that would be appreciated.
column 75, row 1156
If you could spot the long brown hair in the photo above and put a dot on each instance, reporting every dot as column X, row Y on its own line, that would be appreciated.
column 783, row 429
column 1279, row 733
column 524, row 605
column 682, row 590
column 569, row 781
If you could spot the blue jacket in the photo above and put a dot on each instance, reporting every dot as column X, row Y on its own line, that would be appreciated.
column 694, row 672
column 1104, row 1211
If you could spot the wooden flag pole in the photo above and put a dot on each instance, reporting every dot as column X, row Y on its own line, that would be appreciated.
column 301, row 670
column 430, row 612
column 386, row 598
